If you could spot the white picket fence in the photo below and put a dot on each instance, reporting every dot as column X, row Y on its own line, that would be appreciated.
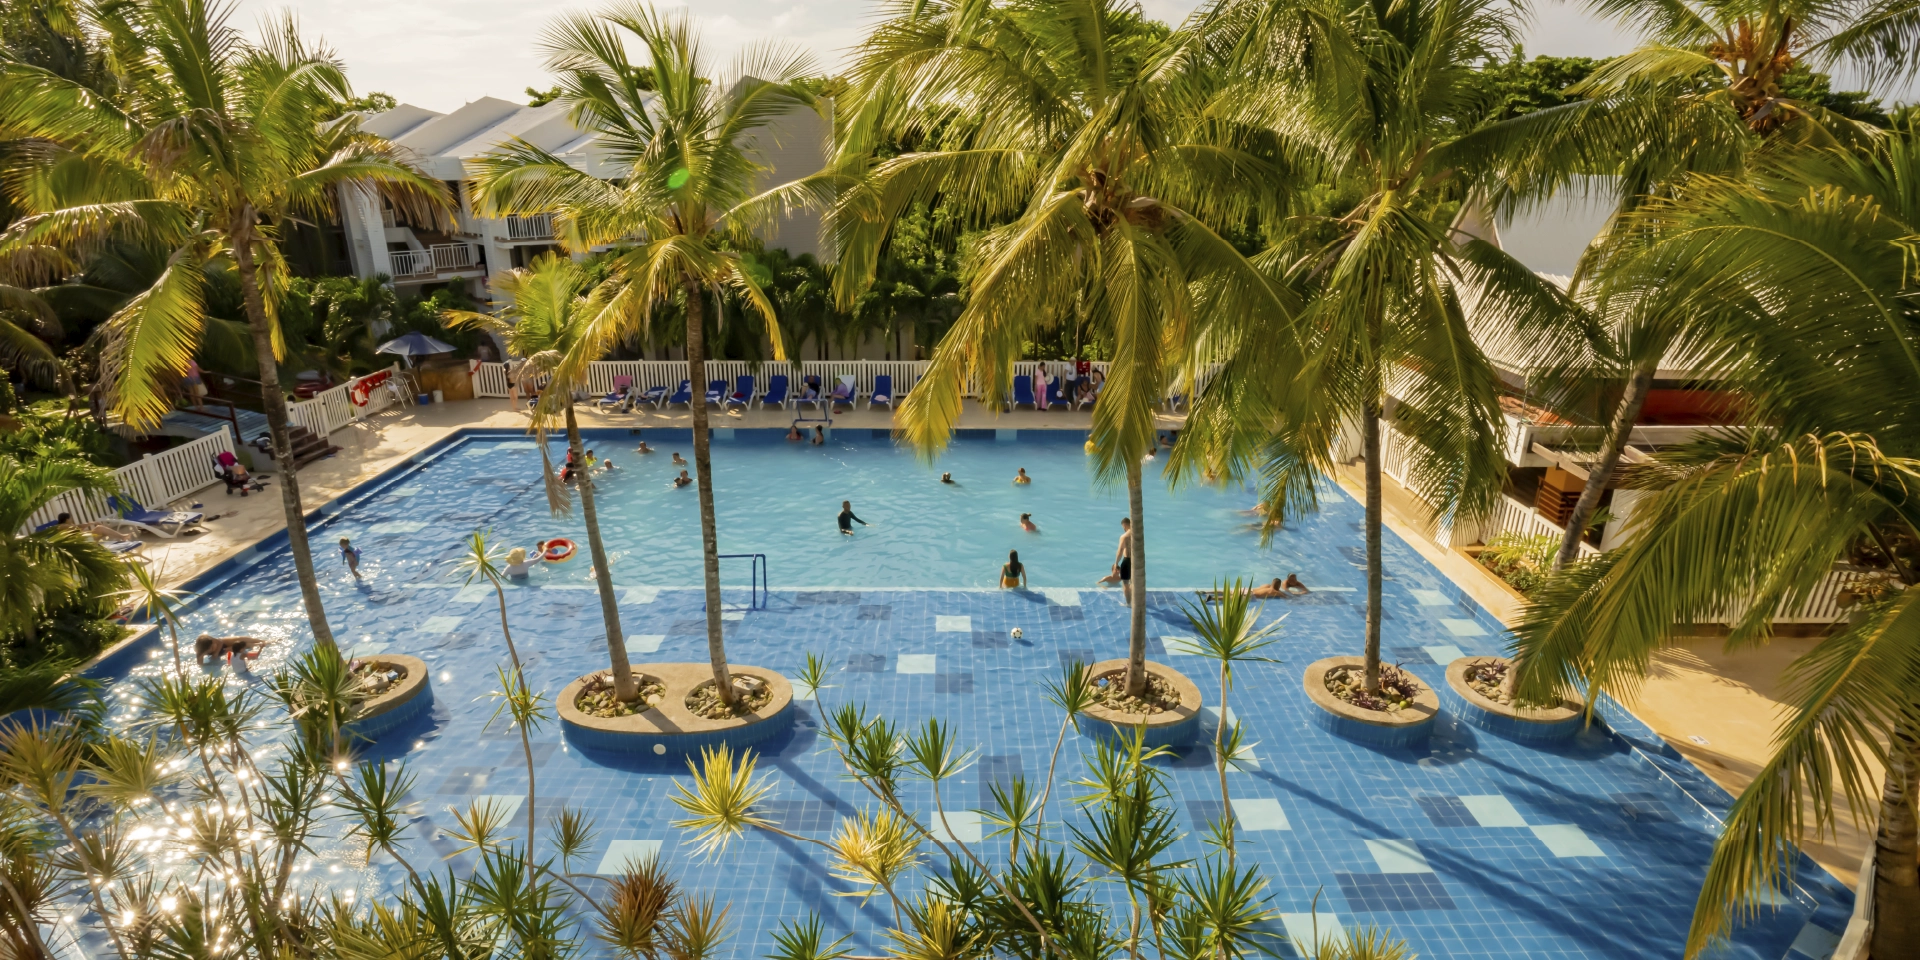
column 153, row 481
column 333, row 408
column 490, row 379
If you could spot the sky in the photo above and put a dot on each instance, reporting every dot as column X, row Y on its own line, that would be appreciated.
column 440, row 54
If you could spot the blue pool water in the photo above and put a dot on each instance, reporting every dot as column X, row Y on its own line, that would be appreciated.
column 1468, row 846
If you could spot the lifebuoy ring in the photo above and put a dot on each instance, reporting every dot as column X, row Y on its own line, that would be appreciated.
column 557, row 550
column 357, row 394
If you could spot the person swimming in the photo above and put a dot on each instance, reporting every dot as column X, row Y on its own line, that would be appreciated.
column 682, row 480
column 518, row 566
column 946, row 478
column 679, row 460
column 1013, row 573
column 847, row 519
column 819, row 436
column 1294, row 586
column 1022, row 477
column 1026, row 523
column 794, row 435
column 209, row 647
column 643, row 448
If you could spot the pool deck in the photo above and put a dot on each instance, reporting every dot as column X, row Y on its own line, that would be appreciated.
column 1719, row 710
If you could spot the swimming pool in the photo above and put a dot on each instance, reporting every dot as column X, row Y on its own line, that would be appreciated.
column 1467, row 846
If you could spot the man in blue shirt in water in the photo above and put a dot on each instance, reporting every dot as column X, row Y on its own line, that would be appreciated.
column 847, row 519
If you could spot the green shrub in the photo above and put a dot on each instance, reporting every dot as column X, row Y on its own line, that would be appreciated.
column 1522, row 561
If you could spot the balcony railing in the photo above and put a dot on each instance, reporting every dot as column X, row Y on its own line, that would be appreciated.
column 537, row 227
column 386, row 217
column 440, row 256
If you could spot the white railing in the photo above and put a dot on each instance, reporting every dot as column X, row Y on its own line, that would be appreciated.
column 335, row 407
column 154, row 480
column 451, row 256
column 411, row 263
column 536, row 227
column 490, row 379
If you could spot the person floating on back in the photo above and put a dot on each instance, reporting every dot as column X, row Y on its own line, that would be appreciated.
column 351, row 555
column 847, row 519
column 1013, row 573
column 1022, row 477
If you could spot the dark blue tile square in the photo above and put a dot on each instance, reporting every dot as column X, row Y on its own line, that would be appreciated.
column 687, row 628
column 876, row 611
column 465, row 780
column 1081, row 654
column 806, row 598
column 799, row 816
column 1378, row 892
column 1156, row 648
column 867, row 663
column 1057, row 612
column 1644, row 807
column 1447, row 811
column 1409, row 655
column 997, row 769
column 953, row 683
column 1205, row 813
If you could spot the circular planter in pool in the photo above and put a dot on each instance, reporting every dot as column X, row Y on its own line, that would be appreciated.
column 668, row 728
column 1178, row 727
column 406, row 700
column 1342, row 719
column 1522, row 724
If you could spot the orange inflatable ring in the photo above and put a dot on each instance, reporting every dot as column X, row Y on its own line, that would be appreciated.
column 557, row 550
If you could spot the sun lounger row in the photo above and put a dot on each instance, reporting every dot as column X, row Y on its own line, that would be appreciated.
column 745, row 392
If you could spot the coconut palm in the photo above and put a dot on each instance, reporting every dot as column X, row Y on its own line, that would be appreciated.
column 1810, row 260
column 545, row 314
column 1368, row 94
column 1071, row 130
column 213, row 148
column 43, row 570
column 684, row 196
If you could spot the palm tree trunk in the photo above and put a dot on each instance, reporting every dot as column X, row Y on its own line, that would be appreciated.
column 623, row 686
column 1896, row 872
column 1370, row 433
column 275, row 403
column 1137, row 587
column 703, row 481
column 1618, row 432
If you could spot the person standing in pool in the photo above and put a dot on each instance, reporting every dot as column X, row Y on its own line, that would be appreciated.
column 819, row 436
column 1013, row 573
column 847, row 519
column 1021, row 477
column 1123, row 560
column 351, row 555
column 1026, row 523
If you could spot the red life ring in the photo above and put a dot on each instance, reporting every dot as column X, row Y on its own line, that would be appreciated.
column 357, row 394
column 557, row 550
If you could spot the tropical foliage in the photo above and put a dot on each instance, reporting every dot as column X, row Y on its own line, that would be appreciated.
column 57, row 584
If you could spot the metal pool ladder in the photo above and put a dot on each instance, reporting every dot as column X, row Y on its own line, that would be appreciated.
column 762, row 589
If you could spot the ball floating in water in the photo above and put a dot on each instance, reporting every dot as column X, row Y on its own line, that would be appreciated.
column 1089, row 446
column 1016, row 633
column 659, row 749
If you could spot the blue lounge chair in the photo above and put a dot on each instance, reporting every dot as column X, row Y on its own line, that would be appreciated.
column 682, row 395
column 621, row 387
column 812, row 386
column 1022, row 393
column 742, row 392
column 882, row 391
column 130, row 513
column 1054, row 399
column 776, row 392
column 844, row 392
column 653, row 395
column 716, row 392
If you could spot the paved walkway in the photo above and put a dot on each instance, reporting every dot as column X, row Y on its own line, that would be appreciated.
column 1717, row 709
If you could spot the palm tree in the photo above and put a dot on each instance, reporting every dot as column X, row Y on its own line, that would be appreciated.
column 685, row 198
column 1809, row 261
column 1070, row 130
column 1368, row 94
column 1698, row 96
column 44, row 570
column 212, row 149
column 546, row 315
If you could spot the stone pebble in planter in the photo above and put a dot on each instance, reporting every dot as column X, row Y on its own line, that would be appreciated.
column 1176, row 727
column 396, row 699
column 669, row 727
column 1407, row 726
column 1519, row 724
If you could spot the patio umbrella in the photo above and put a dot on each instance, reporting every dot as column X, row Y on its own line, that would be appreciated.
column 413, row 345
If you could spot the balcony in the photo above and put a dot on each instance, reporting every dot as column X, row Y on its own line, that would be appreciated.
column 434, row 259
column 536, row 227
column 386, row 217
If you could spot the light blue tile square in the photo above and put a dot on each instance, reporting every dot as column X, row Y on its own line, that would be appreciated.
column 916, row 663
column 645, row 643
column 473, row 593
column 1444, row 653
column 1061, row 596
column 1181, row 646
column 1260, row 814
column 1567, row 840
column 623, row 855
column 502, row 805
column 1303, row 928
column 1430, row 598
column 1815, row 941
column 1464, row 628
column 1398, row 856
column 440, row 624
column 964, row 825
column 398, row 526
column 640, row 594
column 952, row 624
column 1493, row 810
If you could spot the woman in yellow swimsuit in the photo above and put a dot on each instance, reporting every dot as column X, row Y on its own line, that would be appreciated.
column 1013, row 574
